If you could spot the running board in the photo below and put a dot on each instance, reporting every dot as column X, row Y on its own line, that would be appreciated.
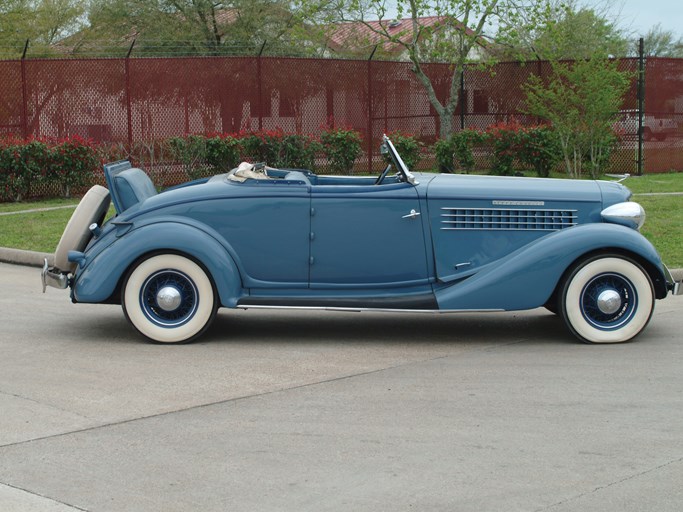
column 370, row 310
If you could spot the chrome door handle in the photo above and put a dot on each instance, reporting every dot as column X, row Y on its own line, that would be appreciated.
column 412, row 215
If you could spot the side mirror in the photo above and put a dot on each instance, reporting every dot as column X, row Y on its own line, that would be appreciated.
column 384, row 148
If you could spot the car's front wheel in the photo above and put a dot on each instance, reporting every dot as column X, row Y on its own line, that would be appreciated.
column 607, row 299
column 169, row 298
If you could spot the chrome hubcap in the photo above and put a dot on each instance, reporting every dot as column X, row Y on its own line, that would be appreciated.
column 609, row 302
column 168, row 298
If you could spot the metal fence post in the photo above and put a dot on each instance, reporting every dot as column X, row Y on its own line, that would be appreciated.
column 24, row 99
column 128, row 101
column 641, row 102
column 260, row 86
column 370, row 113
column 463, row 103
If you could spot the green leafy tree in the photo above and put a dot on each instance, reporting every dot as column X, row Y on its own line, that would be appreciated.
column 191, row 27
column 459, row 38
column 41, row 22
column 562, row 29
column 581, row 100
column 660, row 42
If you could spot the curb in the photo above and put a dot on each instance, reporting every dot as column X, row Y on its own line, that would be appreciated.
column 36, row 259
column 28, row 258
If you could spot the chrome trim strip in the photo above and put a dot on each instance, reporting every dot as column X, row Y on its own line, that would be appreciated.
column 497, row 202
column 371, row 310
column 509, row 209
column 495, row 216
column 502, row 229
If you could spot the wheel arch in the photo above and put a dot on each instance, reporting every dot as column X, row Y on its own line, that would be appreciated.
column 656, row 276
column 540, row 267
column 101, row 279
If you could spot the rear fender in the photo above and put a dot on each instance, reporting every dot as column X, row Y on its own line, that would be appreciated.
column 526, row 278
column 104, row 268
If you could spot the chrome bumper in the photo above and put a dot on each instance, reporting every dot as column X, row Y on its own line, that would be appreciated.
column 676, row 287
column 51, row 278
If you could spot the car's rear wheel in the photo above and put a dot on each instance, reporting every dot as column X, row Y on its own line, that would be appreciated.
column 607, row 299
column 169, row 298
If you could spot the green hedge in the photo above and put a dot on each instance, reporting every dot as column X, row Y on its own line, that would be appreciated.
column 65, row 164
column 337, row 149
column 27, row 166
column 31, row 163
column 507, row 145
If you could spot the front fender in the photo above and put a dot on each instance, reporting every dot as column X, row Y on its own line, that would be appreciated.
column 526, row 278
column 105, row 267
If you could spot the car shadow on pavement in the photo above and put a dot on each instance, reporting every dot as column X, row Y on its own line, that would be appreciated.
column 370, row 327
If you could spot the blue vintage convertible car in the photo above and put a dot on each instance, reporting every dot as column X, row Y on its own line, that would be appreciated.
column 259, row 237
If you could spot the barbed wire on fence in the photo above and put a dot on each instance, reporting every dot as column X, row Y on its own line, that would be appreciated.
column 107, row 48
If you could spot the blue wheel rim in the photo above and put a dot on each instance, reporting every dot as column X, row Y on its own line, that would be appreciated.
column 189, row 298
column 614, row 283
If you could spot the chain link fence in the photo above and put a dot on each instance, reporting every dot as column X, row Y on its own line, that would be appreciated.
column 136, row 102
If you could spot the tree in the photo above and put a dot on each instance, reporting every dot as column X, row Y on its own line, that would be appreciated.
column 662, row 43
column 463, row 25
column 563, row 30
column 581, row 100
column 41, row 22
column 176, row 27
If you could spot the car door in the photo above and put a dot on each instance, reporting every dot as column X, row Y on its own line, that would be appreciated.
column 366, row 236
column 267, row 225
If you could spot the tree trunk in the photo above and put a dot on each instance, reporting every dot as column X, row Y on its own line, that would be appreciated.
column 446, row 124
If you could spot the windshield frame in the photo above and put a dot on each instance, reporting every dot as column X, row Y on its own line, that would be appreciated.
column 402, row 168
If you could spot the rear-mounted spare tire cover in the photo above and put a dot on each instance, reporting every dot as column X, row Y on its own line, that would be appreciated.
column 92, row 209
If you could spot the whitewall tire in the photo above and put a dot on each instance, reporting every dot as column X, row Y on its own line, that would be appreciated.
column 169, row 299
column 607, row 299
column 92, row 209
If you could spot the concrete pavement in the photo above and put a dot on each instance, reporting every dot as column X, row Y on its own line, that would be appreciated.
column 322, row 411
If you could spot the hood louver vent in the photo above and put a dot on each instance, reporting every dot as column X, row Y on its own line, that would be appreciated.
column 506, row 219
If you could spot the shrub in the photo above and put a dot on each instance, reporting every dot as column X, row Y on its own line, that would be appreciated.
column 72, row 163
column 341, row 147
column 505, row 141
column 443, row 150
column 190, row 151
column 537, row 147
column 222, row 153
column 456, row 152
column 278, row 149
column 581, row 100
column 408, row 147
column 540, row 149
column 23, row 163
column 298, row 151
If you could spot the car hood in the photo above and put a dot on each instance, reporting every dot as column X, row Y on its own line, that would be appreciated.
column 503, row 188
column 476, row 220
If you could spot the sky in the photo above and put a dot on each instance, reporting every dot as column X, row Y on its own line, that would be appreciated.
column 641, row 15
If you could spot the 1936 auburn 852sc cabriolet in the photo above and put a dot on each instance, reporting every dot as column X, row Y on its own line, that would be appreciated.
column 263, row 237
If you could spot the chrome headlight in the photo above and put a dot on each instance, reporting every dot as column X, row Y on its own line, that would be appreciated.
column 628, row 214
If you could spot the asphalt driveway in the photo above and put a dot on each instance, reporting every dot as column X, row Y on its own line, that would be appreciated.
column 303, row 411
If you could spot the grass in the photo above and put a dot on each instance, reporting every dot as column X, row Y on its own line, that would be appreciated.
column 48, row 203
column 40, row 231
column 669, row 182
column 664, row 226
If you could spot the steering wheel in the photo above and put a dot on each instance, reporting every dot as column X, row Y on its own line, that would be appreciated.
column 381, row 177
